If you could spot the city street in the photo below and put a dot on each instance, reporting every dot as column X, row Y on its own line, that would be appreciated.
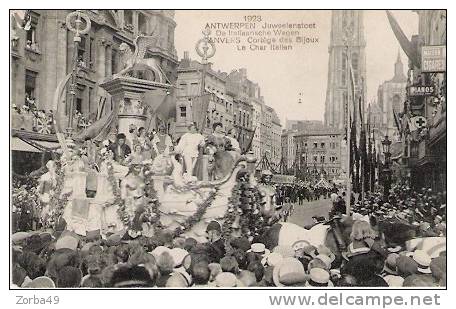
column 156, row 148
column 302, row 214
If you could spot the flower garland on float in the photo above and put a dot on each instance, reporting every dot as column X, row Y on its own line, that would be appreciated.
column 151, row 213
column 244, row 213
column 58, row 201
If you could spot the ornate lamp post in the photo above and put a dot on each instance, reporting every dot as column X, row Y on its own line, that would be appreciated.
column 386, row 143
column 205, row 48
column 74, row 23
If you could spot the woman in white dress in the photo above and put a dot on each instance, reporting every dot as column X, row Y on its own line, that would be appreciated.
column 110, row 221
column 162, row 144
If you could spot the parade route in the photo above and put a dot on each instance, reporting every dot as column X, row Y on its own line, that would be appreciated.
column 302, row 214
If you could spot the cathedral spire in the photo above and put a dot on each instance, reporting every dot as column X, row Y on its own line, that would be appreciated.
column 399, row 75
column 398, row 60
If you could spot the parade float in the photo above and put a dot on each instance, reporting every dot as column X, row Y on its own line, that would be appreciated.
column 140, row 199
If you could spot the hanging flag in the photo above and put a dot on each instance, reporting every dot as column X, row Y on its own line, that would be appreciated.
column 397, row 122
column 200, row 106
column 374, row 163
column 404, row 42
column 249, row 141
column 364, row 161
column 23, row 19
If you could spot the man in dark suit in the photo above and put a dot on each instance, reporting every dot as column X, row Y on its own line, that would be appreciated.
column 119, row 148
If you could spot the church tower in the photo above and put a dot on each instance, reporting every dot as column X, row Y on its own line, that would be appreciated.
column 345, row 24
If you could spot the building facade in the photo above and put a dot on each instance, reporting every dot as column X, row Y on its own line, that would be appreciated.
column 390, row 100
column 257, row 123
column 347, row 35
column 288, row 148
column 319, row 153
column 240, row 88
column 42, row 55
column 276, row 138
column 221, row 104
column 301, row 125
column 425, row 146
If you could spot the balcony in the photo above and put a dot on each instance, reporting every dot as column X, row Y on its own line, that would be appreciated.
column 32, row 52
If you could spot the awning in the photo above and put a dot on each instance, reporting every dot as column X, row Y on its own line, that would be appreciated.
column 19, row 145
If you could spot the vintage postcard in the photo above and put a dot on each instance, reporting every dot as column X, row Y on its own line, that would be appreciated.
column 228, row 149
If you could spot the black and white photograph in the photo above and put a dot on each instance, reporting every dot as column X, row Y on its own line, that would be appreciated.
column 227, row 149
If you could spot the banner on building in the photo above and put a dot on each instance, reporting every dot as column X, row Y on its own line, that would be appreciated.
column 419, row 91
column 200, row 105
column 433, row 58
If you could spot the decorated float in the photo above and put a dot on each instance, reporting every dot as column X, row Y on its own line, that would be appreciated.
column 142, row 199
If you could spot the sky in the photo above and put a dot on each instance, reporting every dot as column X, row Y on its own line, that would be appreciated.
column 282, row 75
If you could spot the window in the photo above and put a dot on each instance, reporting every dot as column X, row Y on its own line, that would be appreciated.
column 315, row 158
column 31, row 34
column 315, row 145
column 91, row 52
column 322, row 145
column 142, row 24
column 322, row 159
column 128, row 19
column 114, row 61
column 30, row 84
column 90, row 99
column 79, row 105
column 82, row 49
column 183, row 111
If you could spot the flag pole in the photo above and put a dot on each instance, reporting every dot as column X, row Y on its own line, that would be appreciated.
column 363, row 160
column 348, row 124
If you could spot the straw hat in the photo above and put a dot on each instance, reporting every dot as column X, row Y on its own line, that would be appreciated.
column 289, row 272
column 318, row 278
column 423, row 260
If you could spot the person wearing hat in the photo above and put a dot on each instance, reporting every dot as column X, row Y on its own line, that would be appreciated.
column 289, row 273
column 260, row 250
column 224, row 280
column 42, row 282
column 390, row 264
column 319, row 277
column 177, row 280
column 394, row 281
column 216, row 244
column 423, row 261
column 120, row 149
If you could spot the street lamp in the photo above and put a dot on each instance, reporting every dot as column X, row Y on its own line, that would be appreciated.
column 386, row 144
column 78, row 23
